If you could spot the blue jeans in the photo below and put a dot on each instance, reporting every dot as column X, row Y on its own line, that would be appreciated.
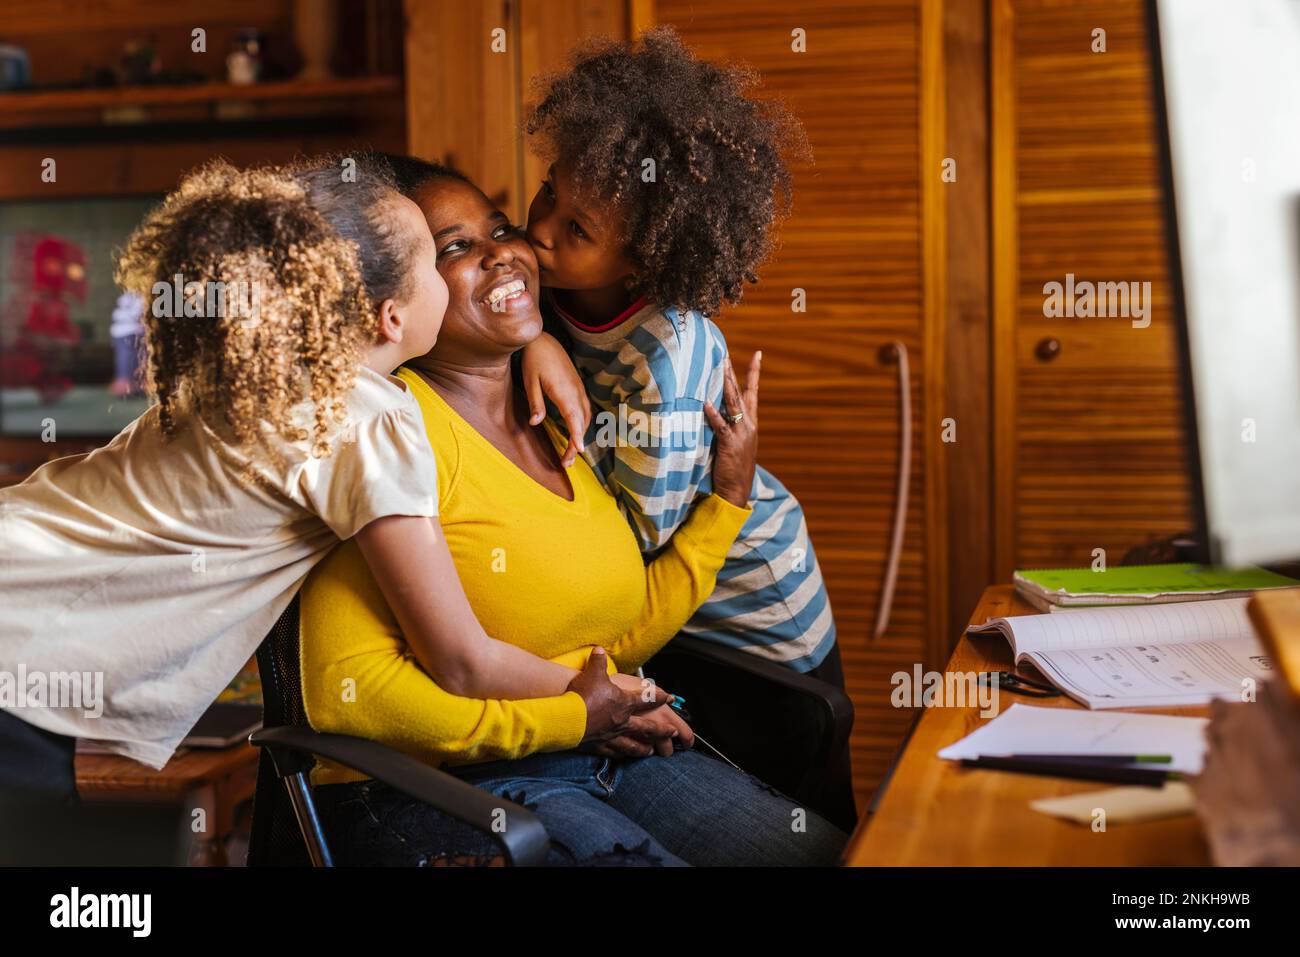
column 688, row 809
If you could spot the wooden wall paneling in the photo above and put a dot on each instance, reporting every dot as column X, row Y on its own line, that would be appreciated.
column 1091, row 442
column 939, row 640
column 465, row 102
column 62, row 37
column 967, row 371
column 23, row 17
column 548, row 33
column 641, row 16
column 155, row 166
column 857, row 242
column 1003, row 257
column 462, row 99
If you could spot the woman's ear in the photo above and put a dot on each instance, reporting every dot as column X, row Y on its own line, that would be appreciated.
column 392, row 327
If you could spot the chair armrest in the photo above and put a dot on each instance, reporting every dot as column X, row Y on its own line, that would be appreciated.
column 523, row 837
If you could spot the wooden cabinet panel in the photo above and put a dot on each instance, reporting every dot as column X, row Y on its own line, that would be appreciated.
column 547, row 34
column 467, row 89
column 1090, row 438
column 859, row 242
column 462, row 95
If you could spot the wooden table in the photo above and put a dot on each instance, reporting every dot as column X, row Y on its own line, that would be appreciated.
column 212, row 781
column 935, row 812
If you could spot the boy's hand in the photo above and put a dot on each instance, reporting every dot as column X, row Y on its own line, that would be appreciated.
column 549, row 374
column 736, row 450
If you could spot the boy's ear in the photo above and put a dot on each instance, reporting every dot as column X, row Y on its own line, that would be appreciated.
column 391, row 324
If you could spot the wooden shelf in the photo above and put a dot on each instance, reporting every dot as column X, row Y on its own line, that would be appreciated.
column 16, row 103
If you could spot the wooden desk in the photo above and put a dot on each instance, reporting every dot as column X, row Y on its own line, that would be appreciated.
column 215, row 782
column 935, row 812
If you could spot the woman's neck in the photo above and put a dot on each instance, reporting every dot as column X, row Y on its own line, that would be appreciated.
column 485, row 397
column 480, row 389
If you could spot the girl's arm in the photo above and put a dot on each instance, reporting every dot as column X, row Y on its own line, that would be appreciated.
column 547, row 372
column 358, row 677
column 409, row 558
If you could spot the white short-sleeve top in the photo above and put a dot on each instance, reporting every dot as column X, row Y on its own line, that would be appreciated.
column 136, row 580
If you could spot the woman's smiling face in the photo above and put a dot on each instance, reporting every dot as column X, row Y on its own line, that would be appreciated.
column 489, row 268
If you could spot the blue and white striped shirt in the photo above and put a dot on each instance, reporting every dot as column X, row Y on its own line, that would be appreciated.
column 648, row 375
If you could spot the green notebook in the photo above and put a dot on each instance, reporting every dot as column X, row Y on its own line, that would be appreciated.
column 1051, row 589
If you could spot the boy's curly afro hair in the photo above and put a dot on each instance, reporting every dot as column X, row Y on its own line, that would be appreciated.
column 700, row 230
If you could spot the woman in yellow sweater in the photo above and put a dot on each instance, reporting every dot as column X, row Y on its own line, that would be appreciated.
column 549, row 564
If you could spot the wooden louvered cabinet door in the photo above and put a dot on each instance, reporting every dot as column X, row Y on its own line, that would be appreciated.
column 860, row 243
column 1089, row 437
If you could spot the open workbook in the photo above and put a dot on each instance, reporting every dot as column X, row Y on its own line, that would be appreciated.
column 1135, row 656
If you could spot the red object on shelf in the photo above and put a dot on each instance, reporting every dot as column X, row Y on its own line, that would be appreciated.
column 50, row 271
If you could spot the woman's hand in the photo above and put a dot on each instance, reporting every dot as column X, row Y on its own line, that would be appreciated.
column 612, row 708
column 735, row 451
column 662, row 730
column 548, row 373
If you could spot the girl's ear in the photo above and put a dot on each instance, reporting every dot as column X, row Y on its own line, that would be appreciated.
column 391, row 325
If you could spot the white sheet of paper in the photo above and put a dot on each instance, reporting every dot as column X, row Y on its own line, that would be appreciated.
column 1024, row 729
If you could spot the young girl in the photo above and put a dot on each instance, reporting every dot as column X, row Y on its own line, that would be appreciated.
column 664, row 185
column 136, row 580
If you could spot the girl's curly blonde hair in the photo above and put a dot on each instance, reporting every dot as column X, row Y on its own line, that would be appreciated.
column 311, row 317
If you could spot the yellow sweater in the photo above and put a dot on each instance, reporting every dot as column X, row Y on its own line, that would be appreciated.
column 553, row 576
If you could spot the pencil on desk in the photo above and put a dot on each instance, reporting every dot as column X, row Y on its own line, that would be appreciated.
column 1087, row 771
column 1096, row 758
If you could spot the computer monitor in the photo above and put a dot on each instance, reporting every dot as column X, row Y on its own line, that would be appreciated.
column 1228, row 94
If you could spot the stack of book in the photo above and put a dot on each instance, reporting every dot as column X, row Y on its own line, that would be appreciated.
column 1063, row 589
column 1142, row 636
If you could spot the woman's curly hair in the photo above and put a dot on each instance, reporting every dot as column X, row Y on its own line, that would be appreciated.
column 701, row 228
column 312, row 314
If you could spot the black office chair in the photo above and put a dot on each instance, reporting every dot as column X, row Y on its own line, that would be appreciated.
column 286, row 828
column 787, row 729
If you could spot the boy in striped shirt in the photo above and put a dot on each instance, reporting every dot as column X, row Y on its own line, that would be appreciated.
column 665, row 182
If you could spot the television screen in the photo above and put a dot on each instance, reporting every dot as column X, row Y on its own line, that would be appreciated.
column 70, row 340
